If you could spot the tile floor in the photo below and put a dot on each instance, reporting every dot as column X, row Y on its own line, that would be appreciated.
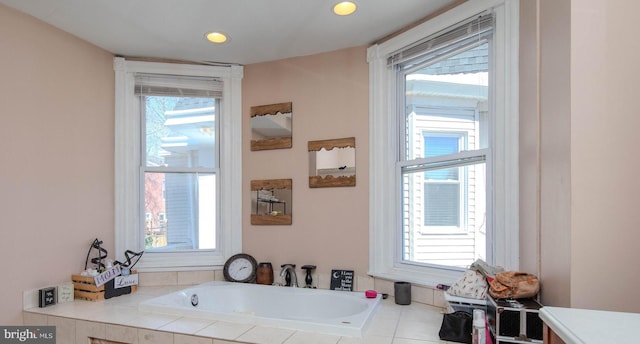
column 119, row 319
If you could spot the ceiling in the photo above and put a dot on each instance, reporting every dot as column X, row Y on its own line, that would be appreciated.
column 259, row 30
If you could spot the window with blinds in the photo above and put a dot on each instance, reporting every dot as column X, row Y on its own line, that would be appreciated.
column 179, row 164
column 443, row 85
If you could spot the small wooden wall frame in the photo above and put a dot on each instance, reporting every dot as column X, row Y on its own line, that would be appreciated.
column 279, row 142
column 273, row 217
column 316, row 181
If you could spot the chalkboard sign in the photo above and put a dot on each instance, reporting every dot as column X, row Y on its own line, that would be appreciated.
column 110, row 290
column 342, row 280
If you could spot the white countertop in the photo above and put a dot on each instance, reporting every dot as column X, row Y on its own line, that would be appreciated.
column 576, row 326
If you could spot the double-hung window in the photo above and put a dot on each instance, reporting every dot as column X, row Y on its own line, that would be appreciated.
column 444, row 125
column 177, row 165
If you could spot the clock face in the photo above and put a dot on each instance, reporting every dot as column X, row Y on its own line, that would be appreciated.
column 240, row 268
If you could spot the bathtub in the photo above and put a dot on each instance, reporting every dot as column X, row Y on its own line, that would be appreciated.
column 316, row 310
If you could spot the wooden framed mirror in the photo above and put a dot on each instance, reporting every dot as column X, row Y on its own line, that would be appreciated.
column 332, row 163
column 271, row 202
column 271, row 126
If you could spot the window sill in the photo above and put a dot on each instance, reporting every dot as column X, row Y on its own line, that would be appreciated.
column 425, row 277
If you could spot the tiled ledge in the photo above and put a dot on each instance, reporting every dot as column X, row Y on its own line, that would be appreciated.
column 118, row 319
column 420, row 294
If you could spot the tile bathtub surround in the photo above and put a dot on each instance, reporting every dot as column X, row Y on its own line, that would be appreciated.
column 420, row 294
column 122, row 334
column 119, row 320
column 195, row 277
column 89, row 329
column 183, row 279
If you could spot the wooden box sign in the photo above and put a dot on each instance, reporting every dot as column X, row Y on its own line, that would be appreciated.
column 84, row 288
column 342, row 280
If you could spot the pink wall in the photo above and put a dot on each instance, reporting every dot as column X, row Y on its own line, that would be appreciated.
column 56, row 174
column 330, row 100
column 545, row 171
column 529, row 150
column 578, row 84
column 604, row 155
column 555, row 154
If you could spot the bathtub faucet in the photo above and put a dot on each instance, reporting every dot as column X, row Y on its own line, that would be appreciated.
column 288, row 275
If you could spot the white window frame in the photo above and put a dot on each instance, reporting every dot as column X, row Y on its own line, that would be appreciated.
column 128, row 233
column 385, row 255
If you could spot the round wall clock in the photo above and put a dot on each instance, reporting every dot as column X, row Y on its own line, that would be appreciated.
column 240, row 268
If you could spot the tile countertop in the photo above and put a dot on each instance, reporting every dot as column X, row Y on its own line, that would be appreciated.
column 414, row 324
column 576, row 326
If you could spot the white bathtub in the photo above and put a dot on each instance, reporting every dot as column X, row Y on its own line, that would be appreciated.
column 315, row 310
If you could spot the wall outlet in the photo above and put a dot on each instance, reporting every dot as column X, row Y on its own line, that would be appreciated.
column 47, row 297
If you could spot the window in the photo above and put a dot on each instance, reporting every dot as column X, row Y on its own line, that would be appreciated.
column 179, row 165
column 444, row 186
column 177, row 171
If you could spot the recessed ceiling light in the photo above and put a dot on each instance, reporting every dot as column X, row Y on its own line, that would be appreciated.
column 216, row 37
column 344, row 8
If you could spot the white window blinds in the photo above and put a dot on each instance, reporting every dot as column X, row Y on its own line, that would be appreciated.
column 178, row 86
column 472, row 31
